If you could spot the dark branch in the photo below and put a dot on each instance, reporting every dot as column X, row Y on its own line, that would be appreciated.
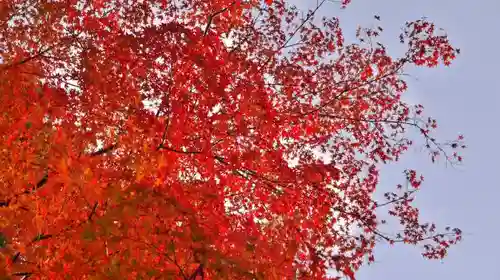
column 43, row 181
column 39, row 184
column 23, row 274
column 93, row 211
column 197, row 272
column 41, row 237
column 15, row 257
column 104, row 150
column 403, row 197
column 212, row 16
column 27, row 59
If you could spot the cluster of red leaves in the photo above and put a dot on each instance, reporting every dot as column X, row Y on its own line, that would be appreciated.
column 180, row 139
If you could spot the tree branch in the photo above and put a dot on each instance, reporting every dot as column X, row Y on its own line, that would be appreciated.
column 212, row 16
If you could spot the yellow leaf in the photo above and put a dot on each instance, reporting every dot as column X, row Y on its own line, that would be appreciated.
column 161, row 161
column 87, row 172
column 158, row 182
column 139, row 174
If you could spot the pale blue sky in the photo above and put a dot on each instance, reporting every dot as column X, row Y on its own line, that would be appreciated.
column 464, row 99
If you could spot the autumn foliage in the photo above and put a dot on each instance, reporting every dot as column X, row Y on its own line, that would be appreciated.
column 199, row 139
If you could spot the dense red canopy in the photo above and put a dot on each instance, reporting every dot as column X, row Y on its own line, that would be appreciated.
column 192, row 138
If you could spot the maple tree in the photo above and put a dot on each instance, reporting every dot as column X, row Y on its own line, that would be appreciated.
column 184, row 140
